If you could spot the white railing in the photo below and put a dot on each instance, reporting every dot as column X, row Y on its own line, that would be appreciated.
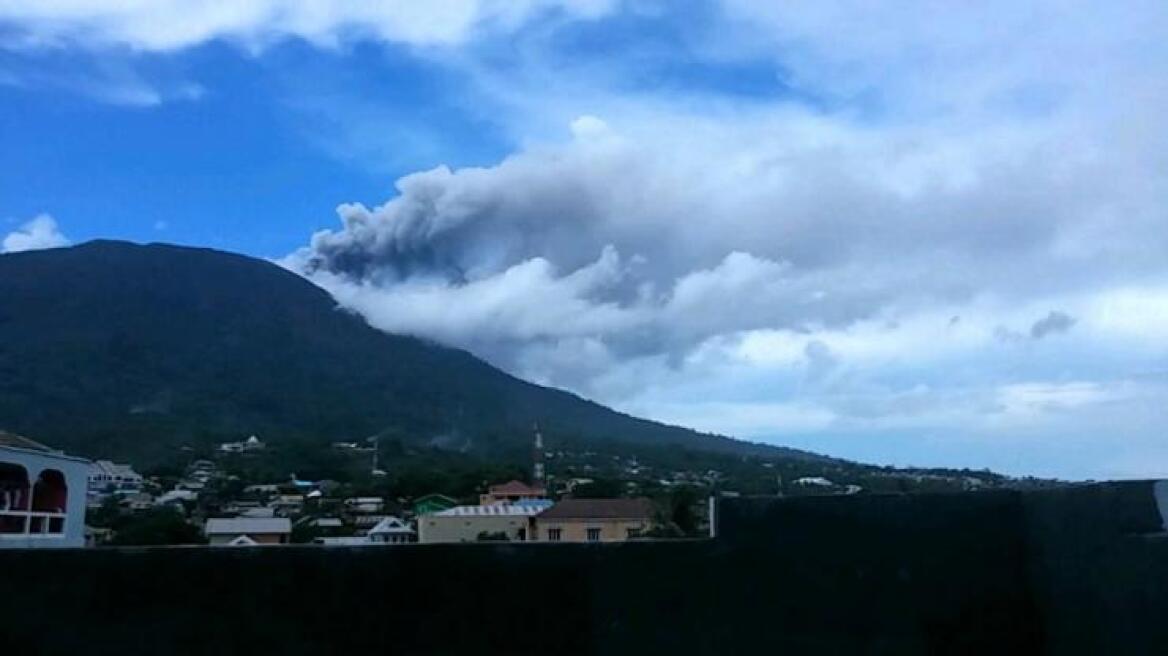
column 34, row 529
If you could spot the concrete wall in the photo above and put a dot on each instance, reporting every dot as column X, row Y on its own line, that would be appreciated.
column 1061, row 572
column 258, row 538
column 576, row 530
column 434, row 529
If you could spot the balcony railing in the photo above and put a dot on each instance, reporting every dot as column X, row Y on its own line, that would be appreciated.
column 31, row 524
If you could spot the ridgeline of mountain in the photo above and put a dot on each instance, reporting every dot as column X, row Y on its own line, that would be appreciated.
column 120, row 350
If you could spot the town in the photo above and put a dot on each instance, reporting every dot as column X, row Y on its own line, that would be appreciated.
column 231, row 496
column 206, row 504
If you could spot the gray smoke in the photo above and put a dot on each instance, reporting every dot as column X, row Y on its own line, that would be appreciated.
column 1052, row 324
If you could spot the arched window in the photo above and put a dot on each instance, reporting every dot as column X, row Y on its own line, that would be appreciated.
column 14, row 498
column 50, row 495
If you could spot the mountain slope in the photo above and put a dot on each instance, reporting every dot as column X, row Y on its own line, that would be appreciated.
column 121, row 350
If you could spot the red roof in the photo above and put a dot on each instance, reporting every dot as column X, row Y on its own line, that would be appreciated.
column 639, row 509
column 514, row 487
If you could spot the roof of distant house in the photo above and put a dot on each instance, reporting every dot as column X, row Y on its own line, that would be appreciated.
column 515, row 487
column 111, row 468
column 600, row 509
column 21, row 442
column 515, row 509
column 391, row 525
column 14, row 441
column 434, row 496
column 250, row 525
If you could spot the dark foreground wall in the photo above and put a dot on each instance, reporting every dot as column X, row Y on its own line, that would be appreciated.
column 1068, row 571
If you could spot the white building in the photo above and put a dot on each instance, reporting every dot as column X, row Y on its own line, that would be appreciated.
column 365, row 504
column 42, row 495
column 252, row 443
column 175, row 496
column 391, row 530
column 106, row 476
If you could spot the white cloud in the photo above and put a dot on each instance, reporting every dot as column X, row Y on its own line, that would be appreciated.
column 173, row 24
column 777, row 270
column 39, row 233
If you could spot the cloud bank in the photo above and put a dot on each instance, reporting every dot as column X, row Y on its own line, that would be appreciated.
column 39, row 233
column 876, row 255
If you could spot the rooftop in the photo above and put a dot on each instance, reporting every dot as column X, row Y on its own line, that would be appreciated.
column 600, row 509
column 515, row 487
column 515, row 509
column 20, row 442
column 221, row 526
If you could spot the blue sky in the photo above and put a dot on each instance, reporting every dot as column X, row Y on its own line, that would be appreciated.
column 906, row 232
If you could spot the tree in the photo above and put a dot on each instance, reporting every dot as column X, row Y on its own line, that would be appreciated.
column 681, row 511
column 157, row 526
column 107, row 515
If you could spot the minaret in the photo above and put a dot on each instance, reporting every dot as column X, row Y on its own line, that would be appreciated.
column 537, row 474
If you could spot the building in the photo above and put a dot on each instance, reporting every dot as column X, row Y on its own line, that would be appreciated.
column 248, row 531
column 106, row 476
column 512, row 492
column 391, row 530
column 42, row 495
column 177, row 496
column 252, row 443
column 594, row 520
column 432, row 503
column 365, row 504
column 288, row 504
column 500, row 521
column 136, row 500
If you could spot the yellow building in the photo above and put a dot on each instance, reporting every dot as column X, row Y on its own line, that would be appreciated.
column 594, row 520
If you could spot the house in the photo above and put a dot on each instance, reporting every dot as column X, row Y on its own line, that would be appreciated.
column 366, row 522
column 288, row 504
column 98, row 536
column 594, row 520
column 106, row 476
column 248, row 531
column 252, row 443
column 432, row 503
column 137, row 501
column 176, row 496
column 501, row 521
column 813, row 481
column 512, row 492
column 202, row 464
column 343, row 541
column 42, row 495
column 238, row 507
column 322, row 523
column 365, row 504
column 391, row 530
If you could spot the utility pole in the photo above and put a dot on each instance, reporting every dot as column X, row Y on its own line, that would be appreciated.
column 537, row 473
